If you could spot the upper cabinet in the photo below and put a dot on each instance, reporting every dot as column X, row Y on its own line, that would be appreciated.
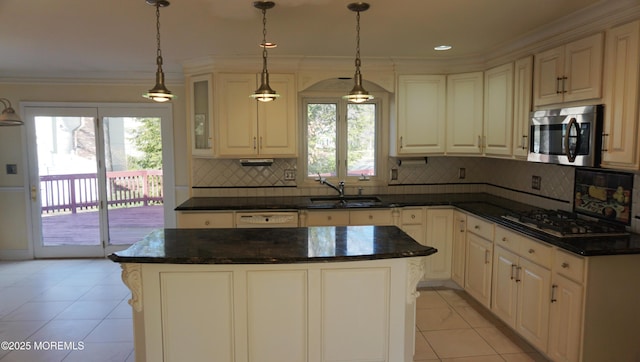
column 464, row 113
column 498, row 110
column 201, row 114
column 620, row 148
column 522, row 89
column 248, row 128
column 570, row 72
column 421, row 113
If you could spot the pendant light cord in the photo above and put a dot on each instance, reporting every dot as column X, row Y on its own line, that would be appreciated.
column 264, row 40
column 357, row 42
column 158, row 51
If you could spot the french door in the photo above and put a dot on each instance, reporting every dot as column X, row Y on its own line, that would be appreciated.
column 101, row 177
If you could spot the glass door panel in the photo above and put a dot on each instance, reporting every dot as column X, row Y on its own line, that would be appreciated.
column 134, row 179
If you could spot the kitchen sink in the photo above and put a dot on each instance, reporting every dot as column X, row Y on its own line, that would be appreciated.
column 344, row 202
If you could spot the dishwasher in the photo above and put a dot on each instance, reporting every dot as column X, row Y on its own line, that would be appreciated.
column 280, row 219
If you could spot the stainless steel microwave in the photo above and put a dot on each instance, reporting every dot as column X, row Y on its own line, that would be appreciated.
column 567, row 136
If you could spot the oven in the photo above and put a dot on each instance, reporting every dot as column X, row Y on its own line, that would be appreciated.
column 568, row 136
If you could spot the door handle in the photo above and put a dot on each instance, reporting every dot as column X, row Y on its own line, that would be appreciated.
column 571, row 155
column 553, row 293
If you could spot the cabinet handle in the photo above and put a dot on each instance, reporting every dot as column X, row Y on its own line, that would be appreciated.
column 513, row 266
column 413, row 216
column 370, row 217
column 207, row 222
column 524, row 142
column 518, row 269
column 400, row 142
column 564, row 81
column 476, row 227
column 479, row 142
column 553, row 293
column 329, row 217
column 504, row 238
column 461, row 226
column 558, row 79
column 486, row 257
column 254, row 143
column 564, row 265
column 604, row 142
column 260, row 142
column 531, row 251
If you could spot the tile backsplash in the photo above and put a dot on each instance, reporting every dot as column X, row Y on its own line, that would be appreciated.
column 506, row 178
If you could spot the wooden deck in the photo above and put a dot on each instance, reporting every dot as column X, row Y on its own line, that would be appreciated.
column 126, row 226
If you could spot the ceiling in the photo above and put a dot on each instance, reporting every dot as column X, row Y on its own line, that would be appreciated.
column 116, row 38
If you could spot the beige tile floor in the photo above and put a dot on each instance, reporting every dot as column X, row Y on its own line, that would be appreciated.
column 84, row 300
column 451, row 326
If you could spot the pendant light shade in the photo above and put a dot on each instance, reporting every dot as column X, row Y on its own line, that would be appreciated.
column 159, row 92
column 358, row 94
column 264, row 93
column 9, row 117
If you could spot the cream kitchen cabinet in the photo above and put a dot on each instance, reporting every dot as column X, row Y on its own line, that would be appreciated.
column 205, row 220
column 380, row 217
column 464, row 113
column 479, row 259
column 622, row 59
column 520, row 287
column 498, row 111
column 414, row 223
column 522, row 89
column 421, row 121
column 439, row 234
column 325, row 218
column 570, row 72
column 458, row 258
column 248, row 128
column 200, row 94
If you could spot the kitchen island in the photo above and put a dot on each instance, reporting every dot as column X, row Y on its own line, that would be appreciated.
column 295, row 294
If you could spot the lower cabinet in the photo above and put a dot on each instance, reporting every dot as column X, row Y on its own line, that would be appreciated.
column 477, row 280
column 343, row 311
column 439, row 236
column 458, row 258
column 566, row 319
column 205, row 220
column 325, row 218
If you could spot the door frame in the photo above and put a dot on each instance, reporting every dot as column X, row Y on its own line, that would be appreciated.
column 101, row 110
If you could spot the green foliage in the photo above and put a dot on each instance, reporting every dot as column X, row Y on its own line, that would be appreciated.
column 148, row 140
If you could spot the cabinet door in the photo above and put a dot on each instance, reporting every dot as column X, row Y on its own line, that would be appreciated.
column 498, row 110
column 620, row 149
column 458, row 248
column 532, row 320
column 205, row 220
column 277, row 127
column 478, row 270
column 505, row 285
column 583, row 69
column 382, row 217
column 464, row 113
column 327, row 218
column 547, row 77
column 421, row 114
column 440, row 236
column 236, row 115
column 522, row 88
column 565, row 321
column 201, row 114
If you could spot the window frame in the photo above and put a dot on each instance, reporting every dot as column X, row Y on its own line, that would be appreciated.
column 382, row 141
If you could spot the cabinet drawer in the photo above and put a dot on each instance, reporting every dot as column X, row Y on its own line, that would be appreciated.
column 480, row 227
column 508, row 239
column 536, row 252
column 371, row 217
column 412, row 216
column 569, row 265
column 205, row 220
column 328, row 218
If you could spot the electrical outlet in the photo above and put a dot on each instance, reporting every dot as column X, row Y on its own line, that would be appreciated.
column 536, row 182
column 462, row 173
column 394, row 174
column 12, row 169
column 289, row 175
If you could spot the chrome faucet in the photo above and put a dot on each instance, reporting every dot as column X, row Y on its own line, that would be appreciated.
column 339, row 188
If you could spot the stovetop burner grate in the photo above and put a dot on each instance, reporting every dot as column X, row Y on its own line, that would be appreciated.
column 564, row 224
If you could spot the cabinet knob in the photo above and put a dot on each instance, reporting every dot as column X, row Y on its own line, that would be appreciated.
column 476, row 227
column 207, row 222
column 504, row 238
column 329, row 217
column 370, row 217
column 531, row 251
column 564, row 265
column 413, row 216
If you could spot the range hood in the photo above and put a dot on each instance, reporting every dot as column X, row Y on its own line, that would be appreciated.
column 256, row 161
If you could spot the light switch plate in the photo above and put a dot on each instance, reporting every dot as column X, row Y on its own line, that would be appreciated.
column 12, row 169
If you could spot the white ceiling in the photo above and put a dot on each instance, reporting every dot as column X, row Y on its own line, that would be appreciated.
column 116, row 38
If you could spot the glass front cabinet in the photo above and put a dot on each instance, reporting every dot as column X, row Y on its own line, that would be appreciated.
column 201, row 115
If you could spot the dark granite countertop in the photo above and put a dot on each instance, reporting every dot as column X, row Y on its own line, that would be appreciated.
column 272, row 246
column 483, row 205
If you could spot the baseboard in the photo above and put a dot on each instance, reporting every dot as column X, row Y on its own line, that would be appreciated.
column 16, row 255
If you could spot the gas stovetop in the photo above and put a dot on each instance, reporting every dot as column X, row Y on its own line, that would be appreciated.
column 565, row 224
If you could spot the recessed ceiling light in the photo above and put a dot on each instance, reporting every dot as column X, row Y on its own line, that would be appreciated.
column 442, row 47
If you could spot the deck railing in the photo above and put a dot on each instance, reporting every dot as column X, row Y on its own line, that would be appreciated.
column 79, row 192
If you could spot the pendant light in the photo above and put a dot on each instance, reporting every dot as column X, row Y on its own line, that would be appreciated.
column 358, row 94
column 264, row 93
column 159, row 92
column 9, row 117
